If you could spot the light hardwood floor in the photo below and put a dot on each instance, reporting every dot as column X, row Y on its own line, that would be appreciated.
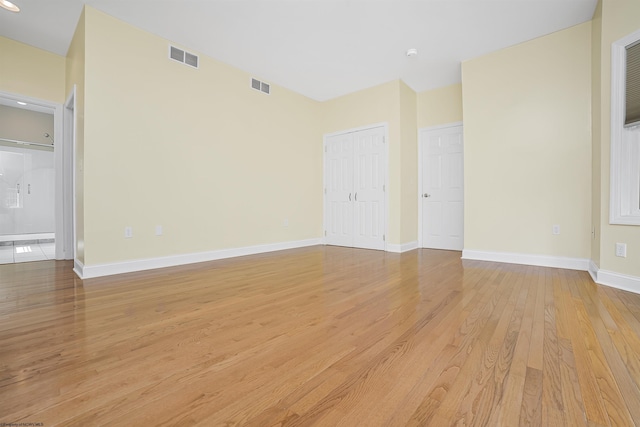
column 318, row 336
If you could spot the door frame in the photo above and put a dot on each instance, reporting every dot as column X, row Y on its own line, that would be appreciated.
column 69, row 130
column 62, row 188
column 385, row 162
column 421, row 131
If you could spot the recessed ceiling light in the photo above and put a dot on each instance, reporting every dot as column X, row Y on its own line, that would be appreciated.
column 21, row 103
column 412, row 52
column 6, row 4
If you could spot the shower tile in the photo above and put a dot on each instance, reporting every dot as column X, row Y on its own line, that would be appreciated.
column 24, row 253
column 49, row 250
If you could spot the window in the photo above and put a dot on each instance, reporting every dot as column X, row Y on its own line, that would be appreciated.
column 625, row 131
column 632, row 85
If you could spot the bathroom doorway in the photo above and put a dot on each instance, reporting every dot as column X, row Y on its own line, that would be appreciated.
column 31, row 187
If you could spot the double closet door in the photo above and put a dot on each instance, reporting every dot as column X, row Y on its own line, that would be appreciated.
column 355, row 164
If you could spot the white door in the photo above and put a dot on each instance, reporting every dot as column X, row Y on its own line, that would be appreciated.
column 339, row 190
column 354, row 180
column 369, row 189
column 442, row 209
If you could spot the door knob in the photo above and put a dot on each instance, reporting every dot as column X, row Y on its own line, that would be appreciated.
column 426, row 195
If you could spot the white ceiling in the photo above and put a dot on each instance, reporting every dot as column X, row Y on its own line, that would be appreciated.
column 319, row 48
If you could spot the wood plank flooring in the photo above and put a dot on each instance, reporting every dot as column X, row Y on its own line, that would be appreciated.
column 323, row 336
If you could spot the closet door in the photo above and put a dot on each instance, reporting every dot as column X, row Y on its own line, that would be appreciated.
column 369, row 189
column 354, row 189
column 339, row 190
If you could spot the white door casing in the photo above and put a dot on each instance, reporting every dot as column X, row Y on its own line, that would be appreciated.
column 441, row 188
column 355, row 207
column 69, row 175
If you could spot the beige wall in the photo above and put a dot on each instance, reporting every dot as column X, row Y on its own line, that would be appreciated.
column 596, row 144
column 199, row 152
column 30, row 71
column 440, row 106
column 619, row 19
column 536, row 154
column 528, row 146
column 25, row 125
column 75, row 75
column 408, row 165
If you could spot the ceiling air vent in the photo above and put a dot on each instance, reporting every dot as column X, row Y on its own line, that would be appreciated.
column 261, row 86
column 184, row 57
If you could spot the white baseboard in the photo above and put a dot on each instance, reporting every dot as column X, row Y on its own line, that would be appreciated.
column 526, row 259
column 403, row 247
column 78, row 268
column 601, row 277
column 593, row 271
column 91, row 271
column 614, row 280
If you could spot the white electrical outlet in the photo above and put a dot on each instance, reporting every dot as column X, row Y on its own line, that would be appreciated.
column 285, row 223
column 621, row 250
column 128, row 232
column 555, row 229
column 158, row 230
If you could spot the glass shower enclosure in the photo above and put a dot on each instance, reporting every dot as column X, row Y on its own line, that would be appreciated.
column 27, row 191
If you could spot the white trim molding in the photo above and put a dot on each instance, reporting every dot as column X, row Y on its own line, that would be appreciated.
column 619, row 281
column 581, row 264
column 440, row 127
column 69, row 174
column 92, row 271
column 625, row 163
column 593, row 271
column 614, row 280
column 403, row 247
column 78, row 268
column 601, row 277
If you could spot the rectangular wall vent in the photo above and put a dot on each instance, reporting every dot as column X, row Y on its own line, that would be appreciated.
column 182, row 56
column 261, row 86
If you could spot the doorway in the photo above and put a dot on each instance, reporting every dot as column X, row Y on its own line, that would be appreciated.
column 441, row 187
column 33, row 192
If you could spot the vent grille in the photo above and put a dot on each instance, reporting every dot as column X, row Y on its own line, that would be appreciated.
column 191, row 59
column 183, row 56
column 261, row 86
